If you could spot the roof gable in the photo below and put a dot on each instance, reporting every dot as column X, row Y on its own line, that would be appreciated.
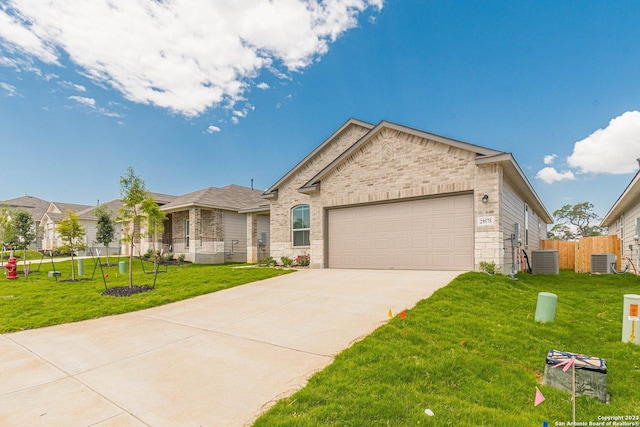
column 271, row 191
column 385, row 125
column 629, row 197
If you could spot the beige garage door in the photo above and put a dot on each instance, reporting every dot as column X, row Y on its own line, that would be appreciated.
column 426, row 234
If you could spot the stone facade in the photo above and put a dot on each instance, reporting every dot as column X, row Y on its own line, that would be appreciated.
column 289, row 196
column 391, row 163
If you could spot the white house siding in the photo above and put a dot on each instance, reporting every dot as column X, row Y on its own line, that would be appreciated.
column 513, row 212
column 625, row 228
column 235, row 229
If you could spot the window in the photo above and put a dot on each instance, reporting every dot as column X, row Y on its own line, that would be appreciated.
column 186, row 227
column 300, row 225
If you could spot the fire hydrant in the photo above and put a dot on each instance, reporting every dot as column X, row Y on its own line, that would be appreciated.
column 12, row 268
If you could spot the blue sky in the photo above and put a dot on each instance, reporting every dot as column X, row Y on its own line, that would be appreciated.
column 196, row 93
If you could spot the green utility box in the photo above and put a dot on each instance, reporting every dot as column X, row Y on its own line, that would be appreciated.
column 122, row 267
column 546, row 307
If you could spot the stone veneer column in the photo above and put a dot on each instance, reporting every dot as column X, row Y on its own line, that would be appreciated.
column 489, row 246
column 252, row 237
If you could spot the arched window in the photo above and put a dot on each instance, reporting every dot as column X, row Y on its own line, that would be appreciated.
column 300, row 225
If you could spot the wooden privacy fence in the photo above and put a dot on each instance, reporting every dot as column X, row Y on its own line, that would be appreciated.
column 576, row 255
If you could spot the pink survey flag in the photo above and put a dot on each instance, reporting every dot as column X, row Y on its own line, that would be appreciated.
column 539, row 397
column 567, row 364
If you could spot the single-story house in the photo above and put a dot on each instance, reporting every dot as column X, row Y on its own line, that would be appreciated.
column 217, row 225
column 623, row 219
column 35, row 206
column 388, row 196
column 86, row 217
column 56, row 211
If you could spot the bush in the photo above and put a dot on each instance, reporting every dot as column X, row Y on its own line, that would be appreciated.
column 181, row 258
column 488, row 267
column 270, row 262
column 286, row 261
column 303, row 260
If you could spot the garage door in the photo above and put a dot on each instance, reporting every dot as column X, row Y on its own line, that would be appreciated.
column 425, row 234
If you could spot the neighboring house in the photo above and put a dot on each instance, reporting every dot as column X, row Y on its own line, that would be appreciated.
column 36, row 207
column 217, row 225
column 141, row 244
column 88, row 220
column 623, row 219
column 51, row 241
column 387, row 196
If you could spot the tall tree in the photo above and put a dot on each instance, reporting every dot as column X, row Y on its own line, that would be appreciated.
column 106, row 228
column 72, row 234
column 575, row 221
column 137, row 208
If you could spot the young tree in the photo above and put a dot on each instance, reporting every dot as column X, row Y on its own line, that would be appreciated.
column 18, row 229
column 106, row 228
column 5, row 225
column 137, row 208
column 573, row 222
column 155, row 224
column 72, row 234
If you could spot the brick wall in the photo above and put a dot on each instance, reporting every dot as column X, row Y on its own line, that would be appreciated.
column 392, row 165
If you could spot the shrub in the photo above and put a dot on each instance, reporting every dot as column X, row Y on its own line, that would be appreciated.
column 181, row 258
column 303, row 260
column 488, row 267
column 270, row 262
column 286, row 261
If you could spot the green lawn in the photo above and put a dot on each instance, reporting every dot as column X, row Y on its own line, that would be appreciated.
column 473, row 354
column 33, row 256
column 41, row 301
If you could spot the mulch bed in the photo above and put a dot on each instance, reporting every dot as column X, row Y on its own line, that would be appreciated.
column 125, row 291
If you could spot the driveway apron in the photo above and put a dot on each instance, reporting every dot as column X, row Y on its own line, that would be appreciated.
column 220, row 359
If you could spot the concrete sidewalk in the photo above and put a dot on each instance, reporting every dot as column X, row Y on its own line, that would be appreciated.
column 216, row 360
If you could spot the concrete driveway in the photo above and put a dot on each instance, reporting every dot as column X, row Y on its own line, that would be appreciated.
column 216, row 360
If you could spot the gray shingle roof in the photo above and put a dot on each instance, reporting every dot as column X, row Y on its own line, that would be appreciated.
column 37, row 207
column 231, row 197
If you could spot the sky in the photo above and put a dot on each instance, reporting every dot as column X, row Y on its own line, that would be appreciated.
column 203, row 93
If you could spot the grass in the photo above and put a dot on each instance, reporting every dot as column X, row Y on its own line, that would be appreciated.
column 40, row 301
column 19, row 254
column 473, row 354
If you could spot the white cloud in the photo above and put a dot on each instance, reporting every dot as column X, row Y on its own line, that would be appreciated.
column 20, row 35
column 69, row 85
column 548, row 160
column 89, row 102
column 213, row 129
column 613, row 149
column 8, row 89
column 263, row 86
column 550, row 175
column 184, row 55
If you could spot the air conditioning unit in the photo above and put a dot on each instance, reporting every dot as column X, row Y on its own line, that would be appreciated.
column 545, row 262
column 603, row 263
